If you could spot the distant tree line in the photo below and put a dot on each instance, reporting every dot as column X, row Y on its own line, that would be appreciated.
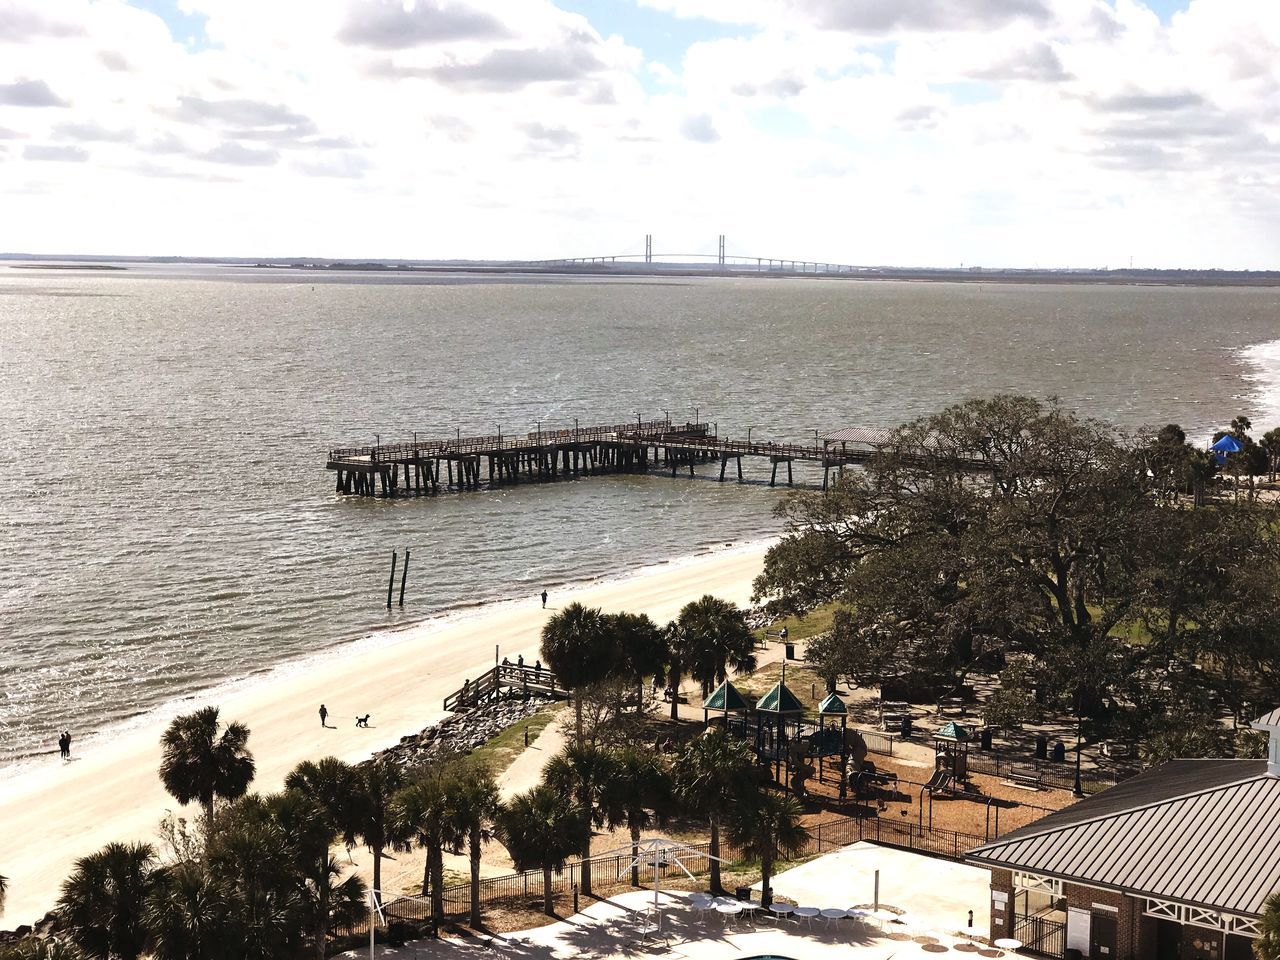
column 1086, row 567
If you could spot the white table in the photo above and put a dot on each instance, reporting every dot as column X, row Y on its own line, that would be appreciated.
column 1007, row 943
column 749, row 910
column 781, row 911
column 807, row 914
column 834, row 913
column 727, row 910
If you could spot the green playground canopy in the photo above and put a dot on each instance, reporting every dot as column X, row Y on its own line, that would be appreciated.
column 779, row 700
column 953, row 731
column 832, row 704
column 726, row 698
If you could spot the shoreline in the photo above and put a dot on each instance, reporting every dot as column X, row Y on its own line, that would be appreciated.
column 53, row 812
column 349, row 645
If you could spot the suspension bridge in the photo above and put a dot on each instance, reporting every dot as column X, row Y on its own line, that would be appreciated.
column 720, row 263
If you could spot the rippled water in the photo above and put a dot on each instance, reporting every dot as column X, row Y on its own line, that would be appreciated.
column 167, row 521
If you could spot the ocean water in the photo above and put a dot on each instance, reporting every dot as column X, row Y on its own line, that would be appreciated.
column 167, row 524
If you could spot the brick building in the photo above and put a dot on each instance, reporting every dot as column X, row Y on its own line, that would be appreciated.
column 1175, row 864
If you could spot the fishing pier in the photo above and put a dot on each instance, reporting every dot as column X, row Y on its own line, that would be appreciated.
column 429, row 466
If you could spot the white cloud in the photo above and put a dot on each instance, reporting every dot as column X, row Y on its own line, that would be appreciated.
column 882, row 131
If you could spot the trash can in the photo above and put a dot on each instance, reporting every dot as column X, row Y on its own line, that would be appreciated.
column 791, row 651
column 906, row 727
column 1042, row 748
column 743, row 894
column 984, row 738
column 1059, row 752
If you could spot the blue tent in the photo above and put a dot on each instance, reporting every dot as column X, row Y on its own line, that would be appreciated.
column 1228, row 444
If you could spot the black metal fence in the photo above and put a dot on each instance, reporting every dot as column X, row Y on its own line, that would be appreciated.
column 1042, row 935
column 1060, row 776
column 608, row 873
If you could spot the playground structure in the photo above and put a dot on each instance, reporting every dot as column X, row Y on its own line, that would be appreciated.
column 824, row 757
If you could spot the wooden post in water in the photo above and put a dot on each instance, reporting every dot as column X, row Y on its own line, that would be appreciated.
column 391, row 583
column 404, row 574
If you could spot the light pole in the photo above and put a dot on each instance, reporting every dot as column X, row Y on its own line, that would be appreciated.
column 748, row 436
column 1077, row 789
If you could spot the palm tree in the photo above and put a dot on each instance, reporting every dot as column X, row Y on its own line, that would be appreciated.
column 767, row 825
column 334, row 786
column 473, row 805
column 641, row 650
column 642, row 787
column 674, row 664
column 710, row 775
column 201, row 763
column 308, row 832
column 256, row 848
column 540, row 831
column 714, row 636
column 1267, row 945
column 422, row 810
column 586, row 773
column 190, row 915
column 1270, row 442
column 43, row 948
column 4, row 889
column 102, row 902
column 378, row 782
column 577, row 644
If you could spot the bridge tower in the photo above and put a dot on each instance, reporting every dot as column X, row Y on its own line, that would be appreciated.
column 722, row 251
column 648, row 248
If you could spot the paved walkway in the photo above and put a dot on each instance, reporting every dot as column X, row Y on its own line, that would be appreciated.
column 620, row 929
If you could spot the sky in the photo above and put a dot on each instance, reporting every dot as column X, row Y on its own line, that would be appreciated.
column 1017, row 133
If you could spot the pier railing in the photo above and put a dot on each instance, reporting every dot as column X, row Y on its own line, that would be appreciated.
column 663, row 431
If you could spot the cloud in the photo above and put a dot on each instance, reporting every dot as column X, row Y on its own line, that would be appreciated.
column 237, row 154
column 347, row 166
column 699, row 128
column 19, row 23
column 49, row 151
column 29, row 93
column 7, row 134
column 785, row 85
column 550, row 138
column 888, row 16
column 1038, row 62
column 513, row 69
column 253, row 114
column 113, row 60
column 397, row 25
column 90, row 132
column 1131, row 102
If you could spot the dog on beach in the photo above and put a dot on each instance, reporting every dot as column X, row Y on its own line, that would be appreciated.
column 363, row 721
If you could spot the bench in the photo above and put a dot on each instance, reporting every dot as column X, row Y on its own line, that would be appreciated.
column 1028, row 777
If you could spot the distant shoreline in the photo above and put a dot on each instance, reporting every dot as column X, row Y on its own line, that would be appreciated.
column 978, row 275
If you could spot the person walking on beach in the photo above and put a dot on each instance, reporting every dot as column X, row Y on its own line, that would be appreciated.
column 324, row 715
column 66, row 744
column 544, row 599
column 62, row 745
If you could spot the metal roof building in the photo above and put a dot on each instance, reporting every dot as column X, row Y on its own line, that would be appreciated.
column 1177, row 862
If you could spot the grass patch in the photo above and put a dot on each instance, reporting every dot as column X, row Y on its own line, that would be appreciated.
column 500, row 751
column 816, row 621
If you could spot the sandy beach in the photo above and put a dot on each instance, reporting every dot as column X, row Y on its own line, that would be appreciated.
column 53, row 813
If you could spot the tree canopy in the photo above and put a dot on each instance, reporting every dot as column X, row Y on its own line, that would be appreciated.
column 1008, row 525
